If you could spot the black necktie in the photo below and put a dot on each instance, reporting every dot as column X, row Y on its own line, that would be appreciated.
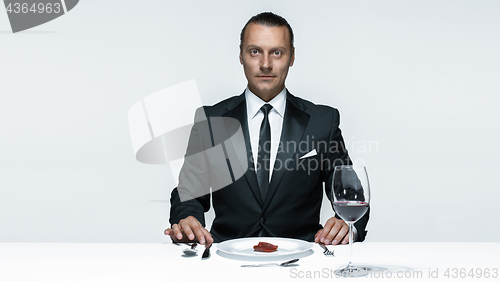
column 264, row 157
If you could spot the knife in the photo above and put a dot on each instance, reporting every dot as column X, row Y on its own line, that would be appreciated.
column 206, row 253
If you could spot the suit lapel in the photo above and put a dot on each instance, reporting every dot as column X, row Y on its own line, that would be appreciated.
column 238, row 111
column 294, row 125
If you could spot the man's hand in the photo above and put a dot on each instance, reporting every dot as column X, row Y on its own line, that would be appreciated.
column 188, row 230
column 334, row 232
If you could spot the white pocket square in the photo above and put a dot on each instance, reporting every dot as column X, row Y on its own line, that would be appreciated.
column 310, row 154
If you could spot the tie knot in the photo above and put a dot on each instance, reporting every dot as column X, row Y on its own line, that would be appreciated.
column 266, row 109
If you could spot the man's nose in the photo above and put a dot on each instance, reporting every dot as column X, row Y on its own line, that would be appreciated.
column 266, row 63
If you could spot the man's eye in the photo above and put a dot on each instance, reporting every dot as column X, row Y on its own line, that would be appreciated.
column 277, row 53
column 254, row 52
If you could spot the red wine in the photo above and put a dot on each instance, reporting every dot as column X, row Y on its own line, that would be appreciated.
column 350, row 211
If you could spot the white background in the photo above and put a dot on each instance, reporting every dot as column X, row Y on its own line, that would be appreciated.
column 416, row 82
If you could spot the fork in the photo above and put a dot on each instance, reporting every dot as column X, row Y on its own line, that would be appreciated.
column 327, row 252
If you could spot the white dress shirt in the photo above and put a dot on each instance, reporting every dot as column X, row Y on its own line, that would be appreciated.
column 255, row 117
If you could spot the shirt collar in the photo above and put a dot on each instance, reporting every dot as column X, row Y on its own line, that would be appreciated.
column 254, row 103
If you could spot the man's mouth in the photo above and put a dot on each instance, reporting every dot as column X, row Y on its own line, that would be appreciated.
column 266, row 76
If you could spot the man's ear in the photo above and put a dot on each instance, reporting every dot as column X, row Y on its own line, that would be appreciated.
column 292, row 59
column 241, row 60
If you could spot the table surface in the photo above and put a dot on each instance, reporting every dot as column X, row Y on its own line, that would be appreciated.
column 166, row 262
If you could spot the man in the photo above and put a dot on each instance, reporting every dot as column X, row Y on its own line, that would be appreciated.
column 284, row 201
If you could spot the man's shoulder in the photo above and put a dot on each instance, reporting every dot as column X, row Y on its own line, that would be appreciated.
column 312, row 108
column 224, row 105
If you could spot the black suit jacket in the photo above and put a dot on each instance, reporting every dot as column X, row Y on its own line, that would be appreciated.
column 292, row 205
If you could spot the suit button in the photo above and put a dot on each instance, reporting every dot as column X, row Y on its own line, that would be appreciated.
column 262, row 220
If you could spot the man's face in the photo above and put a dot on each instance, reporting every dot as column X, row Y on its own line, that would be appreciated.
column 266, row 55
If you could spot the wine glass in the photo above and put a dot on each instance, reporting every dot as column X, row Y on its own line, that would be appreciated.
column 350, row 197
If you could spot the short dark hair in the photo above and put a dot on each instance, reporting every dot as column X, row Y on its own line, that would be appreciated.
column 270, row 20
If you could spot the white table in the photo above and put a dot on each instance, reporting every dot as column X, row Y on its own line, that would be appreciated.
column 164, row 262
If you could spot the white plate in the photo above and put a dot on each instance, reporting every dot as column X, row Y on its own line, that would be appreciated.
column 243, row 247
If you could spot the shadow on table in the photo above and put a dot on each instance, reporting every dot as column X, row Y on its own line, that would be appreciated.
column 381, row 271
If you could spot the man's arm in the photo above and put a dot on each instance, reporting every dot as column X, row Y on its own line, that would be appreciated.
column 187, row 219
column 336, row 230
column 187, row 212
